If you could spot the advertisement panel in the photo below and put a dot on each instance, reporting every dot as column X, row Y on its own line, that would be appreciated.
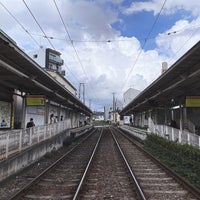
column 35, row 108
column 5, row 114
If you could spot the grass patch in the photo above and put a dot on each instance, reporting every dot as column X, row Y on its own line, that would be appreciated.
column 183, row 159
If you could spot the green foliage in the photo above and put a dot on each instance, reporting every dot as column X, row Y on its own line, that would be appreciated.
column 100, row 123
column 183, row 159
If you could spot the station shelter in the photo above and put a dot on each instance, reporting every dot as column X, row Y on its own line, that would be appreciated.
column 29, row 91
column 172, row 101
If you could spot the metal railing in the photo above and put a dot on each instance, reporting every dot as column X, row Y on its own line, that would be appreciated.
column 14, row 141
column 168, row 132
column 174, row 134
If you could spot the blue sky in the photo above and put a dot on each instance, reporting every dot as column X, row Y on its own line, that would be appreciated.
column 106, row 67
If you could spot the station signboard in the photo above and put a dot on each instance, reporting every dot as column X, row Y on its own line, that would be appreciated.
column 192, row 101
column 35, row 108
column 35, row 100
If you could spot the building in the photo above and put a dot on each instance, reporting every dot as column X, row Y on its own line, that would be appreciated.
column 27, row 90
column 98, row 116
column 111, row 114
column 172, row 99
column 51, row 61
column 107, row 110
column 129, row 95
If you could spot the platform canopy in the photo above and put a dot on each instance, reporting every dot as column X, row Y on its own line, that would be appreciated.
column 182, row 79
column 19, row 71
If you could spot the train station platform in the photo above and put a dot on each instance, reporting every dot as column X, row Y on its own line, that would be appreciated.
column 22, row 147
column 168, row 132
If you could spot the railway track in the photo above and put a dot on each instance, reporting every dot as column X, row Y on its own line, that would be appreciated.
column 106, row 166
column 60, row 180
column 156, row 180
column 108, row 177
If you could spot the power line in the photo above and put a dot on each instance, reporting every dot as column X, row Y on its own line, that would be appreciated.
column 117, row 40
column 190, row 37
column 66, row 30
column 38, row 24
column 99, row 41
column 145, row 41
column 71, row 41
column 19, row 23
column 156, row 20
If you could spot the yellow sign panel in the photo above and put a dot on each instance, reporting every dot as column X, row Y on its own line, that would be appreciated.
column 35, row 100
column 192, row 101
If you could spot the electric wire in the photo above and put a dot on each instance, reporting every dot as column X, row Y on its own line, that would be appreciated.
column 165, row 35
column 189, row 38
column 72, row 74
column 104, row 41
column 19, row 23
column 145, row 41
column 38, row 24
column 71, row 41
column 65, row 27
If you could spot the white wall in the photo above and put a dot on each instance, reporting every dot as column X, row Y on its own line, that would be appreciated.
column 129, row 95
column 41, row 56
column 62, row 81
column 33, row 112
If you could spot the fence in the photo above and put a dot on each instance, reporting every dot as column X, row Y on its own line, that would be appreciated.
column 168, row 132
column 174, row 134
column 13, row 141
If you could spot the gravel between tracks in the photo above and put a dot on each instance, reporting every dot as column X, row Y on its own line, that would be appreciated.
column 14, row 183
column 108, row 177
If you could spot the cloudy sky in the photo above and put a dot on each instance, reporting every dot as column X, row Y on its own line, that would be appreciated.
column 109, row 45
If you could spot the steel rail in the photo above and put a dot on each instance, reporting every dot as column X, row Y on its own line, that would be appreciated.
column 195, row 191
column 87, row 168
column 129, row 168
column 37, row 178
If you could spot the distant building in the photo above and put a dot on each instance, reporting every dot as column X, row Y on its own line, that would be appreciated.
column 164, row 67
column 51, row 61
column 109, row 112
column 129, row 95
column 98, row 116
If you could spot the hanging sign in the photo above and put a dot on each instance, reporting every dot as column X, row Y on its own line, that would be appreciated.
column 35, row 100
column 192, row 101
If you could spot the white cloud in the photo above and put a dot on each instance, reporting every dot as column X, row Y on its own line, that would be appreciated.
column 104, row 67
column 170, row 7
column 179, row 38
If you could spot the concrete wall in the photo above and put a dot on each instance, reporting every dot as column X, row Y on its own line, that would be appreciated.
column 15, row 163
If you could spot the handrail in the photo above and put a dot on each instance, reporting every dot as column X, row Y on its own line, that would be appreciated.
column 15, row 141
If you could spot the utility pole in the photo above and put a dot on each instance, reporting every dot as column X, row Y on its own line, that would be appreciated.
column 83, row 92
column 90, row 101
column 113, row 107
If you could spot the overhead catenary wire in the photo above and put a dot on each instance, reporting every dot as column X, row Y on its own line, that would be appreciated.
column 164, row 35
column 109, row 40
column 72, row 74
column 189, row 38
column 65, row 27
column 19, row 23
column 145, row 41
column 38, row 24
column 72, row 43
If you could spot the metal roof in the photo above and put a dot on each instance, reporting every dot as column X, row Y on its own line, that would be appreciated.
column 19, row 71
column 180, row 80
